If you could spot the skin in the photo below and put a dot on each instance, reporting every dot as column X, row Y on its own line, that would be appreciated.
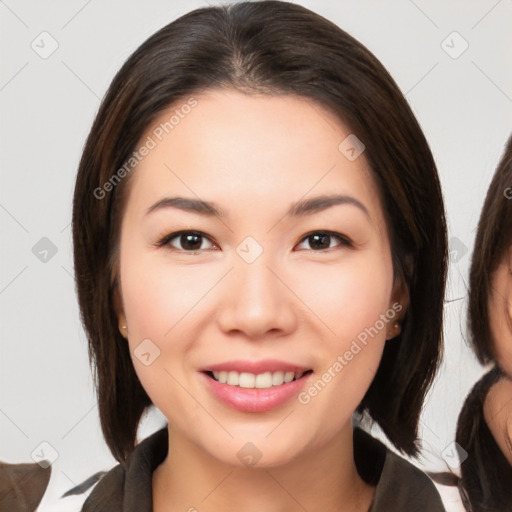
column 500, row 313
column 498, row 402
column 254, row 157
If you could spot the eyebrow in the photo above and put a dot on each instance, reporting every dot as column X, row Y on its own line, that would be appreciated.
column 300, row 208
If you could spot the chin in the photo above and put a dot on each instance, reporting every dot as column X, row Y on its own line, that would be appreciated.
column 257, row 454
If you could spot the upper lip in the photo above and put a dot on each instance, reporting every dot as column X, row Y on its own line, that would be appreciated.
column 255, row 367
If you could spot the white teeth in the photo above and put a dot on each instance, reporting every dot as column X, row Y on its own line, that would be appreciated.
column 277, row 378
column 263, row 380
column 259, row 381
column 233, row 378
column 246, row 380
column 288, row 376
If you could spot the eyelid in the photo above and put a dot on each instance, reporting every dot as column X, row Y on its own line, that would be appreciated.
column 344, row 240
column 165, row 240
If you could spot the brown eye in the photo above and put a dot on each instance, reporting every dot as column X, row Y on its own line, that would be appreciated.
column 321, row 240
column 188, row 241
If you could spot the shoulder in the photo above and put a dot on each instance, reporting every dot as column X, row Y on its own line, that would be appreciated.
column 406, row 487
column 400, row 486
column 131, row 481
column 107, row 494
column 40, row 486
column 23, row 484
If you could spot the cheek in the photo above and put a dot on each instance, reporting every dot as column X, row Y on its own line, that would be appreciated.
column 162, row 304
column 356, row 312
column 158, row 297
column 348, row 299
column 500, row 329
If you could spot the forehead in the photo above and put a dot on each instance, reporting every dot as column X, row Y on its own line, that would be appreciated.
column 255, row 150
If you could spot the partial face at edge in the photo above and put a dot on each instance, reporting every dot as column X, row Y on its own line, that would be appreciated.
column 498, row 415
column 256, row 284
column 500, row 313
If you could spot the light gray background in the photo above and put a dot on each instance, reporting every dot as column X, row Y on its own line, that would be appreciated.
column 463, row 104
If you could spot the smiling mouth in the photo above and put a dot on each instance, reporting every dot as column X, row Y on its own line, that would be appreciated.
column 256, row 381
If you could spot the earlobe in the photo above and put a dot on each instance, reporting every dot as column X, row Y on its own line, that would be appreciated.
column 394, row 330
column 119, row 309
column 399, row 304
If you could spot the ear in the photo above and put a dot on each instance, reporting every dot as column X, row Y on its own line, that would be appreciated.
column 399, row 303
column 119, row 309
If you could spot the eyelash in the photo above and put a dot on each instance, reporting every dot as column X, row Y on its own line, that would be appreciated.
column 165, row 241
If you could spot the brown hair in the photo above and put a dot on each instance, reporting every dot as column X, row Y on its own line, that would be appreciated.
column 266, row 47
column 493, row 238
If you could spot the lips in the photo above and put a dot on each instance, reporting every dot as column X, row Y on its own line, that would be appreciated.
column 255, row 386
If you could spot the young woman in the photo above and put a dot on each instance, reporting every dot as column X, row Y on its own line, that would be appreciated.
column 484, row 427
column 490, row 285
column 260, row 252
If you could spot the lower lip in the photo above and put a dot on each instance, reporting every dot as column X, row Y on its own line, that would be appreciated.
column 255, row 400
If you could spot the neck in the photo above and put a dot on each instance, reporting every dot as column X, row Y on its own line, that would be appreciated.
column 324, row 479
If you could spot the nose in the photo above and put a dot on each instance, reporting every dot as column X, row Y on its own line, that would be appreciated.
column 257, row 301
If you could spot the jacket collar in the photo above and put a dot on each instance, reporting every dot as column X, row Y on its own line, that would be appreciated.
column 401, row 486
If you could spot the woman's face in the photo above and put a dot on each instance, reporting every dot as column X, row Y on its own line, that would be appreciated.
column 500, row 313
column 256, row 294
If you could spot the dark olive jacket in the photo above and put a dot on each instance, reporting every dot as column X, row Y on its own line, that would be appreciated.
column 401, row 487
